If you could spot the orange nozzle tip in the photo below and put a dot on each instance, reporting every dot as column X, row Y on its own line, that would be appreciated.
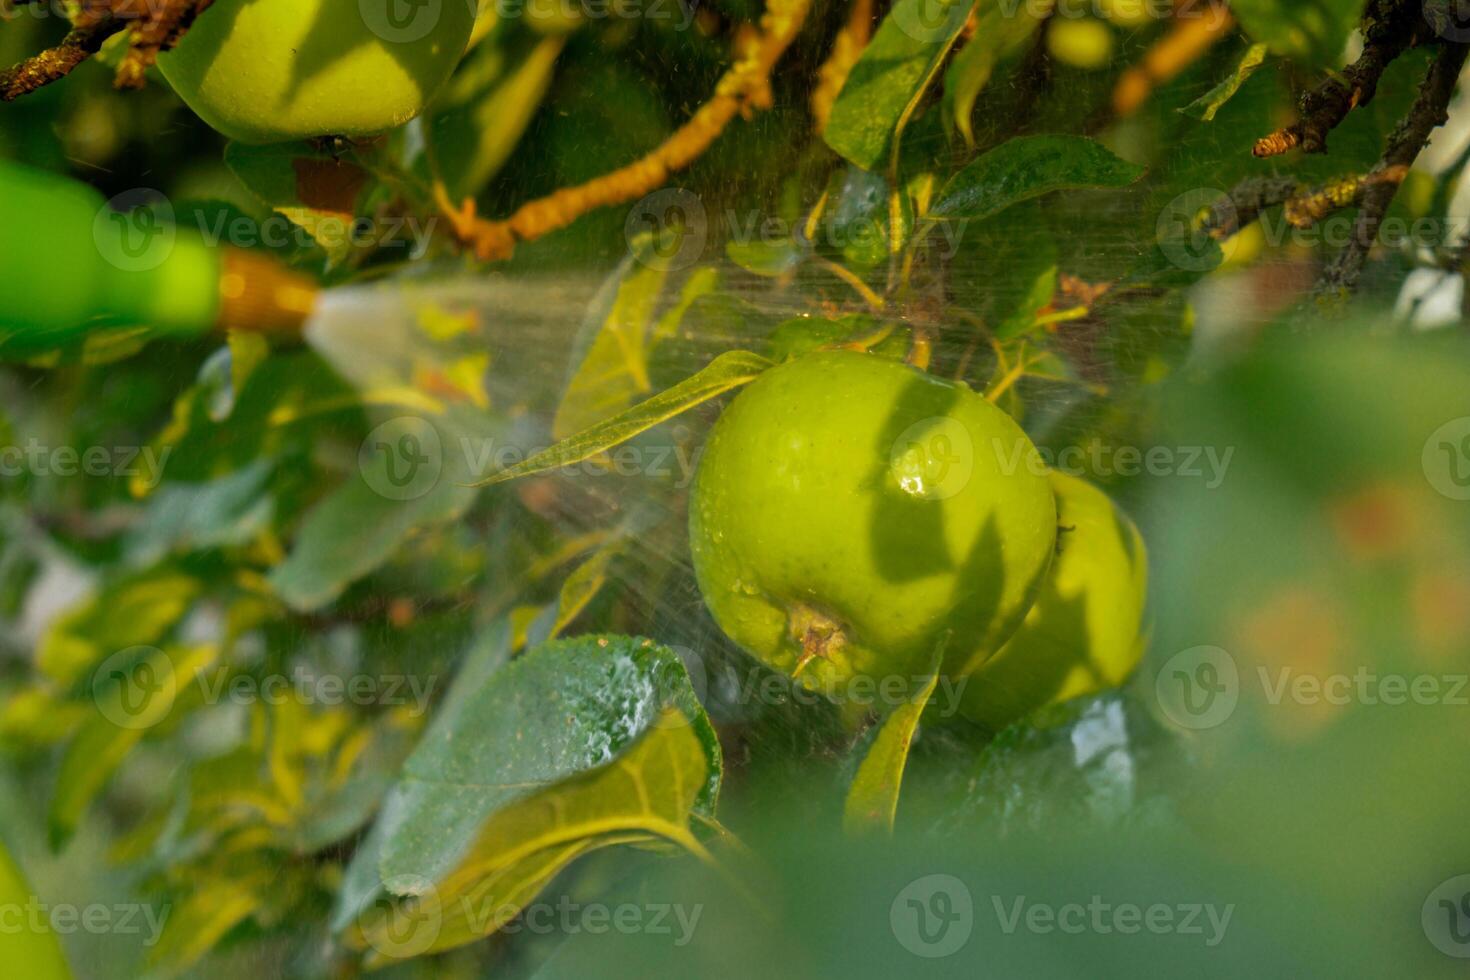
column 260, row 294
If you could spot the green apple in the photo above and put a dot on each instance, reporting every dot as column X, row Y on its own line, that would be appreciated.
column 1083, row 635
column 269, row 71
column 1082, row 42
column 850, row 512
column 29, row 949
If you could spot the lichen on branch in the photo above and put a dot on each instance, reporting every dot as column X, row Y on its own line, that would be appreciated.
column 152, row 26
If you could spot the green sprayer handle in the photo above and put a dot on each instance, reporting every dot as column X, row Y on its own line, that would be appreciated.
column 72, row 264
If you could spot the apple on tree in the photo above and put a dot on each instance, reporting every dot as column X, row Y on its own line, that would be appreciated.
column 850, row 512
column 270, row 71
column 1084, row 634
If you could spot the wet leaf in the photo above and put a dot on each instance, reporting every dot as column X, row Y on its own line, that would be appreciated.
column 647, row 793
column 1028, row 167
column 559, row 712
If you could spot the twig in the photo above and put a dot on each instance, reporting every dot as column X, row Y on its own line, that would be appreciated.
column 874, row 301
column 1246, row 202
column 745, row 87
column 152, row 25
column 847, row 47
column 1430, row 111
column 1392, row 28
column 56, row 63
column 1308, row 207
column 159, row 31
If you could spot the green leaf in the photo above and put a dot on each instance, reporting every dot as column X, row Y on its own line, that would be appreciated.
column 248, row 351
column 801, row 335
column 702, row 282
column 352, row 532
column 1205, row 107
column 497, row 897
column 560, row 711
column 1043, row 290
column 647, row 793
column 1313, row 32
column 206, row 914
column 1100, row 762
column 138, row 610
column 613, row 372
column 287, row 393
column 891, row 77
column 767, row 259
column 1001, row 32
column 729, row 370
column 1028, row 167
column 413, row 473
column 480, row 116
column 872, row 800
column 582, row 586
column 183, row 518
column 313, row 189
column 119, row 724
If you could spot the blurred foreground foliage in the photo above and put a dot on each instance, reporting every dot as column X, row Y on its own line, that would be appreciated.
column 975, row 203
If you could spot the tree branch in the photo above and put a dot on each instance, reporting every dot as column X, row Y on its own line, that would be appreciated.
column 1430, row 111
column 153, row 26
column 1246, row 202
column 746, row 86
column 56, row 63
column 1391, row 29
